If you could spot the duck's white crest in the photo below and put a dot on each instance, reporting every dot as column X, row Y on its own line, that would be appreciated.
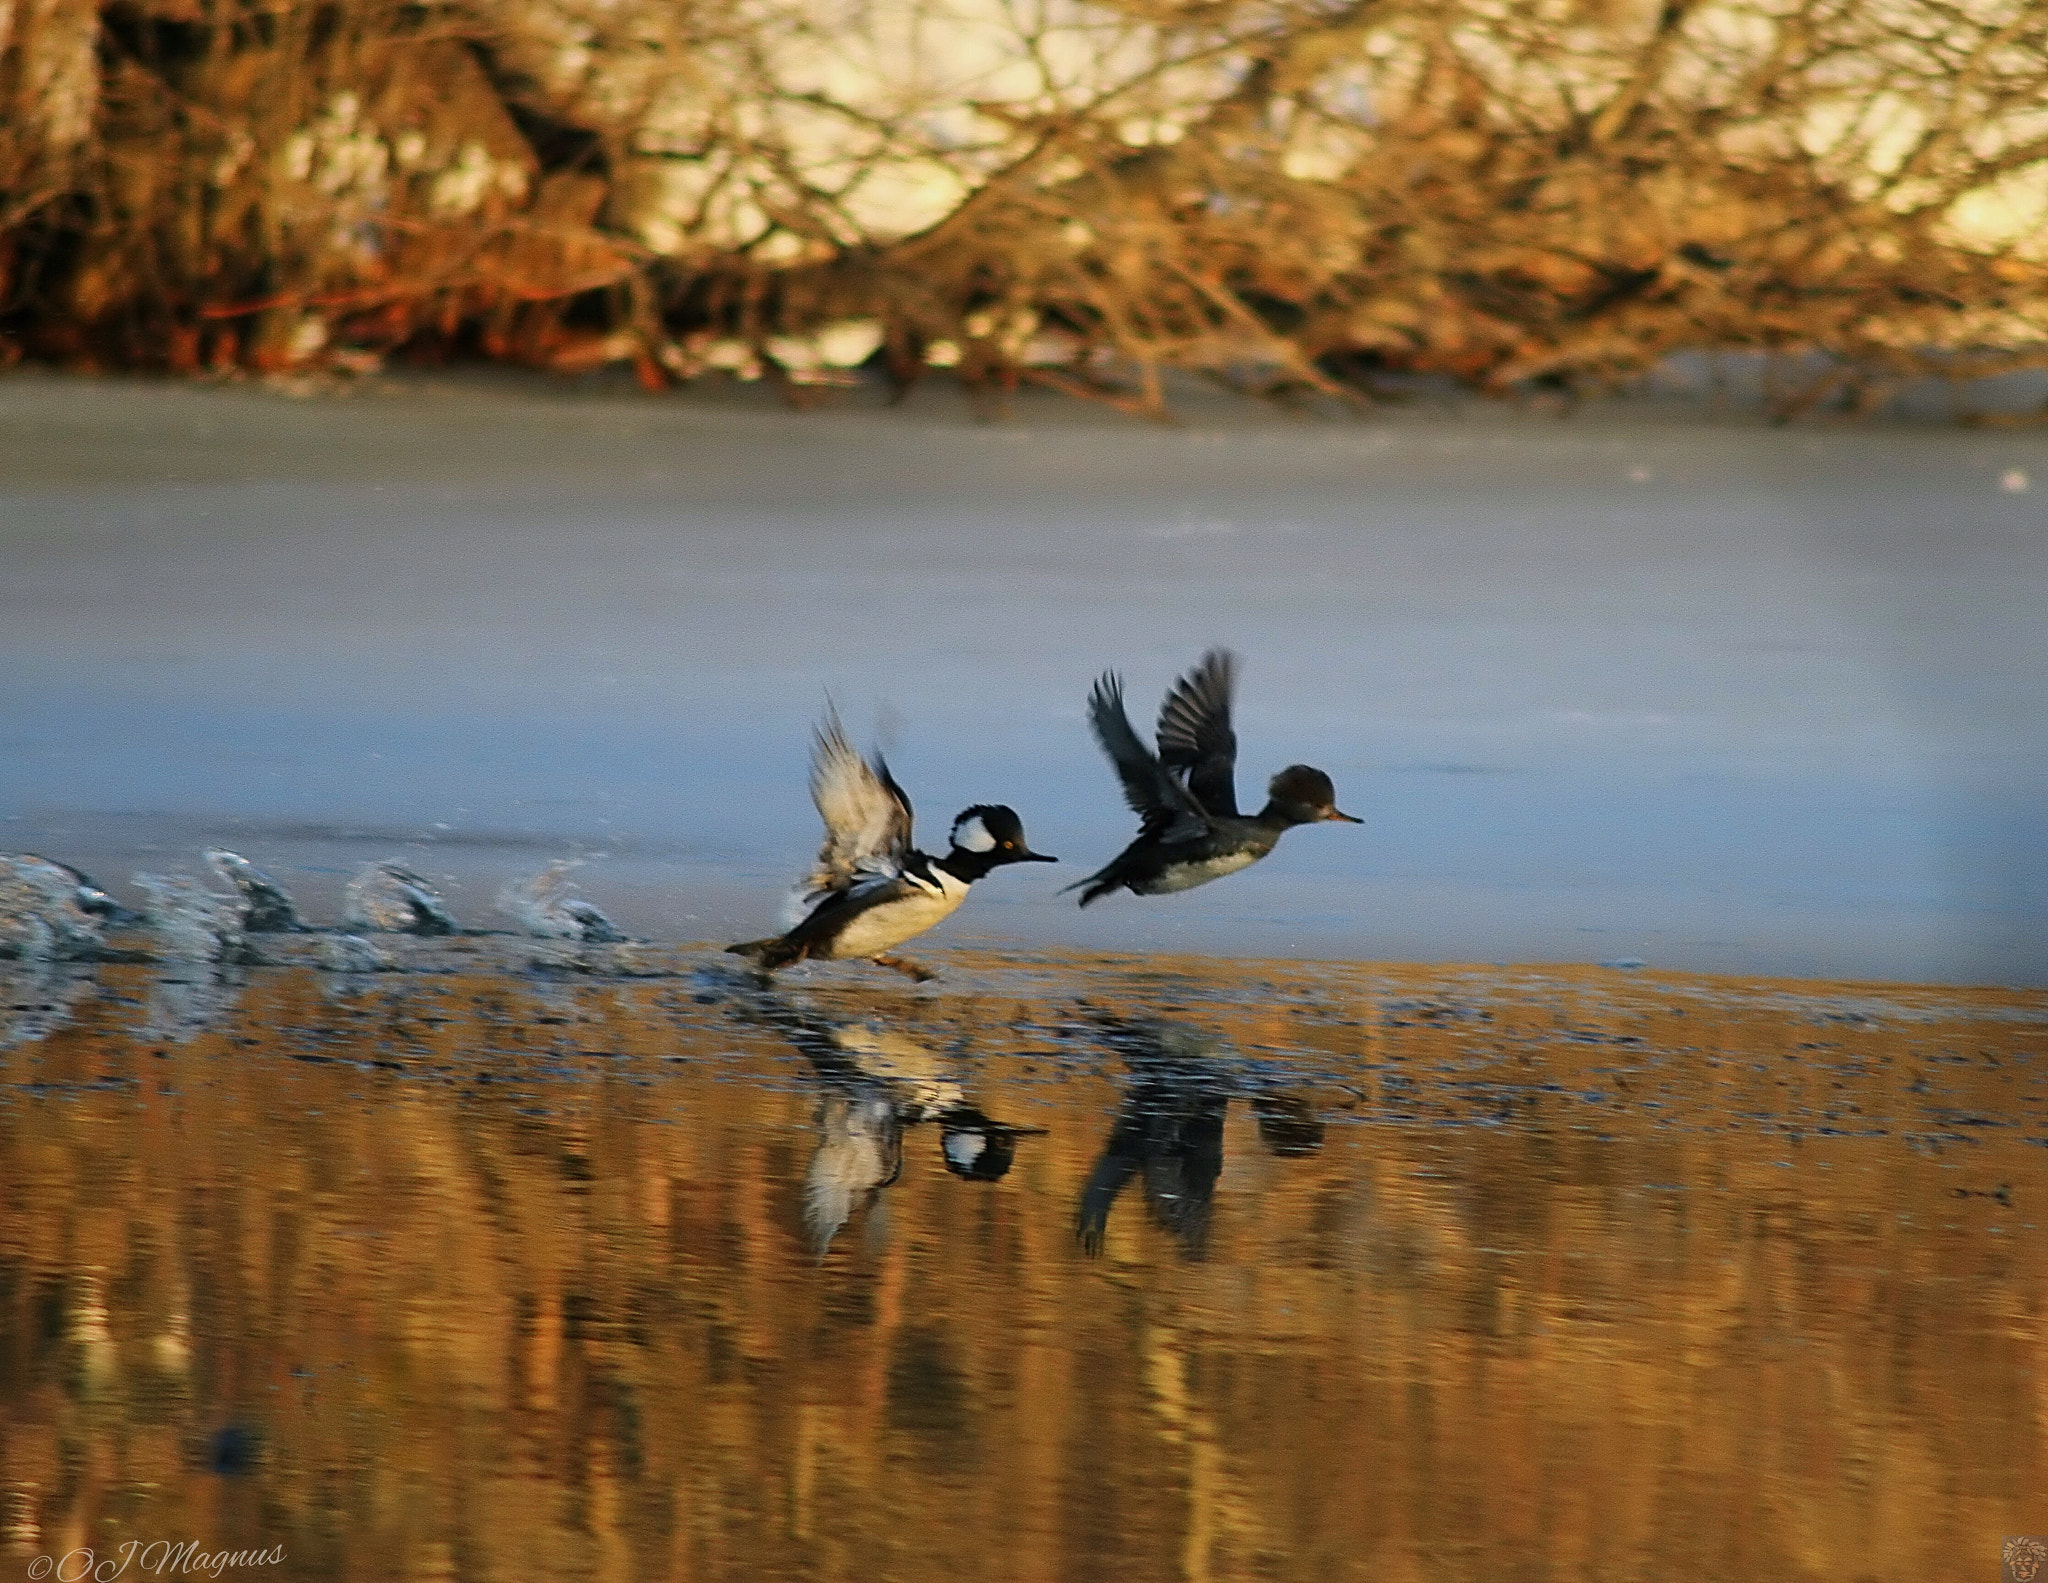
column 964, row 1148
column 971, row 835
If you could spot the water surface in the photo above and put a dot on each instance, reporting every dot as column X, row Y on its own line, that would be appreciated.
column 536, row 1261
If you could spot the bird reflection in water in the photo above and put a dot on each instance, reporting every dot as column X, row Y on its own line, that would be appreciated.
column 874, row 1083
column 1169, row 1129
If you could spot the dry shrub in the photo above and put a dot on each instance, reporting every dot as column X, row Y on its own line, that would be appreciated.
column 1288, row 195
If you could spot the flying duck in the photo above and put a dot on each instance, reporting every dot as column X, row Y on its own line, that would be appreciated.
column 1185, row 796
column 871, row 889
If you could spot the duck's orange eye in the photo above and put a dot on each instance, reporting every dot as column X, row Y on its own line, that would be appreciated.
column 1009, row 845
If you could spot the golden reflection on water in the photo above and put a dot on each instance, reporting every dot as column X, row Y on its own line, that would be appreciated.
column 1310, row 1273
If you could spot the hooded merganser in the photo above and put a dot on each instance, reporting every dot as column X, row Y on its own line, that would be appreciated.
column 1190, row 831
column 871, row 889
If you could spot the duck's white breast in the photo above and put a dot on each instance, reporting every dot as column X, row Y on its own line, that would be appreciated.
column 892, row 922
column 1186, row 876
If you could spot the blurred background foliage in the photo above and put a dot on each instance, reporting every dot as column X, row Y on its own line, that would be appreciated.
column 1290, row 196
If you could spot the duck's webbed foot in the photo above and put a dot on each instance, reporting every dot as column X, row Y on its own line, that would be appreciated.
column 906, row 967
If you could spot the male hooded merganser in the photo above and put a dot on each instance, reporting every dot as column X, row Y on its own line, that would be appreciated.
column 1190, row 831
column 871, row 889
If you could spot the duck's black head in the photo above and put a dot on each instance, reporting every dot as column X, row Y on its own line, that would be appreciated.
column 987, row 836
column 1300, row 794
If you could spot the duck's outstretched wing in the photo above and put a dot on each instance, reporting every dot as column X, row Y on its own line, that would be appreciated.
column 1195, row 739
column 867, row 816
column 1164, row 807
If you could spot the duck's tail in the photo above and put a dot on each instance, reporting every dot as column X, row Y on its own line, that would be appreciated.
column 1096, row 885
column 767, row 955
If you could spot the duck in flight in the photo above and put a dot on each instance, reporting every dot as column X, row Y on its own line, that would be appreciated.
column 871, row 889
column 1185, row 795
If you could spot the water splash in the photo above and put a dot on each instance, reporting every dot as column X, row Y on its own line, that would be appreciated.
column 266, row 909
column 49, row 910
column 192, row 923
column 543, row 904
column 351, row 953
column 389, row 898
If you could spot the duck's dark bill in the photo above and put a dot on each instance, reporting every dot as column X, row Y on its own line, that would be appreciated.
column 1338, row 813
column 1036, row 857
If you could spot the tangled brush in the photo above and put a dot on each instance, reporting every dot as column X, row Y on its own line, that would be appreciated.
column 1282, row 195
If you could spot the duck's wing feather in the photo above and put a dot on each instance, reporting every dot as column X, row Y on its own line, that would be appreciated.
column 867, row 815
column 871, row 887
column 1164, row 807
column 1195, row 739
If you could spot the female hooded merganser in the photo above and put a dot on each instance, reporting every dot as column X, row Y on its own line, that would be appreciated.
column 1190, row 831
column 871, row 888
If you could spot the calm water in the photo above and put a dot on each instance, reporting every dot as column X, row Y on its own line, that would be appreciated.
column 531, row 1263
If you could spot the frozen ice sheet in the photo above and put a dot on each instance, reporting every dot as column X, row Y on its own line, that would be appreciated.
column 1646, row 683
